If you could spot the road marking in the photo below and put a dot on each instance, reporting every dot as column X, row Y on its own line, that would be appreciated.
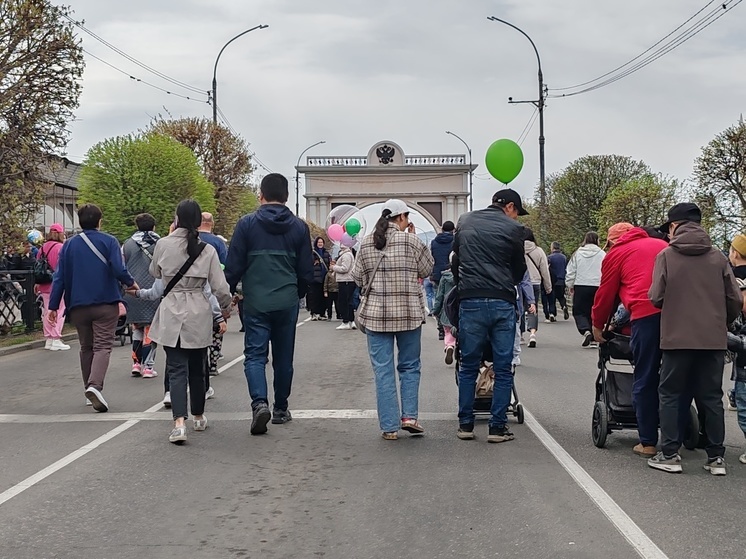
column 642, row 544
column 302, row 322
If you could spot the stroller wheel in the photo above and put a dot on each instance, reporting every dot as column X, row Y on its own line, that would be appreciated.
column 600, row 425
column 519, row 413
column 691, row 441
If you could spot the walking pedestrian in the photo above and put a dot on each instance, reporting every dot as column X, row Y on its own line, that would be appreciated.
column 558, row 272
column 440, row 247
column 331, row 294
column 89, row 271
column 445, row 284
column 525, row 303
column 583, row 278
column 270, row 250
column 538, row 271
column 489, row 261
column 50, row 251
column 219, row 244
column 626, row 275
column 389, row 264
column 138, row 254
column 316, row 300
column 185, row 263
column 343, row 268
column 699, row 298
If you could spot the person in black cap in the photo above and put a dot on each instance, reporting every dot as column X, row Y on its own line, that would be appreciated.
column 685, row 211
column 488, row 263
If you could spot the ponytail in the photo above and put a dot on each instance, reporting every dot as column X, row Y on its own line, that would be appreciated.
column 189, row 217
column 382, row 225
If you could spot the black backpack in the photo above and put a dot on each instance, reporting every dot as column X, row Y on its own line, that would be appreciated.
column 43, row 272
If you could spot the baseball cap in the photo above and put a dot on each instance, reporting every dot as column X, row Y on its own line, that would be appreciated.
column 685, row 211
column 506, row 196
column 56, row 228
column 396, row 207
column 616, row 231
column 739, row 244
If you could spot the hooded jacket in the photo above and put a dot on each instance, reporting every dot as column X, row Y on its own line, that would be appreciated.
column 696, row 290
column 626, row 275
column 584, row 267
column 538, row 266
column 441, row 247
column 345, row 263
column 271, row 253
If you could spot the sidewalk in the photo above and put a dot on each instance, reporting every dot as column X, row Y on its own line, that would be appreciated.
column 10, row 350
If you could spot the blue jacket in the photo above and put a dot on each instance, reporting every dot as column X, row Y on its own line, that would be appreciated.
column 271, row 255
column 83, row 278
column 441, row 247
column 557, row 267
column 217, row 244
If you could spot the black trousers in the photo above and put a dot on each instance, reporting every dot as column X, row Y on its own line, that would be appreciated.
column 700, row 371
column 582, row 305
column 346, row 290
column 332, row 299
column 316, row 302
column 186, row 366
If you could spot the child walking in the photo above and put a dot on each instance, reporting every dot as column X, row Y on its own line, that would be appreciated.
column 445, row 285
column 331, row 294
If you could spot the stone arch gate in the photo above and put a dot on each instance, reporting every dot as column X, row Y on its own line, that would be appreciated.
column 437, row 186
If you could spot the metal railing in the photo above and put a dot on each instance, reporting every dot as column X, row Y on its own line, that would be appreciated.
column 20, row 308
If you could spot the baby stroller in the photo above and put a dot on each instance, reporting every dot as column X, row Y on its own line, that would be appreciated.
column 123, row 331
column 613, row 410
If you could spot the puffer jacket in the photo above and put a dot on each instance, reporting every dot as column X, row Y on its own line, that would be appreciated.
column 345, row 263
column 584, row 267
column 538, row 265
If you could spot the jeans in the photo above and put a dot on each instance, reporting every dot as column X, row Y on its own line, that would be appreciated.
column 277, row 327
column 430, row 288
column 381, row 350
column 645, row 342
column 96, row 325
column 483, row 322
column 582, row 304
column 186, row 366
column 741, row 404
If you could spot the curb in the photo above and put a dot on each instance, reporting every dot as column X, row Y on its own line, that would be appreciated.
column 10, row 350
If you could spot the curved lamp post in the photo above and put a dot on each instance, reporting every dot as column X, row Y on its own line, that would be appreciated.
column 471, row 172
column 297, row 184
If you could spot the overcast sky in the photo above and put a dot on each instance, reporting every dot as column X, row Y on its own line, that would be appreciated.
column 353, row 72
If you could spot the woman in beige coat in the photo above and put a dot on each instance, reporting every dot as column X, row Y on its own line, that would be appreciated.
column 183, row 322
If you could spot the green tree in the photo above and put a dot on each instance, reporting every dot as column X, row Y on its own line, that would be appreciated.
column 41, row 63
column 640, row 201
column 128, row 175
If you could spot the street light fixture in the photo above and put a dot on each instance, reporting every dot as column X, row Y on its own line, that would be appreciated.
column 297, row 184
column 215, row 72
column 539, row 104
column 471, row 171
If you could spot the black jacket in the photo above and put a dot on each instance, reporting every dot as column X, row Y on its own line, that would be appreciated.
column 489, row 259
column 441, row 247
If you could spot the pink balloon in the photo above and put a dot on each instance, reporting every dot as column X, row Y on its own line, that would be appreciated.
column 335, row 232
column 348, row 241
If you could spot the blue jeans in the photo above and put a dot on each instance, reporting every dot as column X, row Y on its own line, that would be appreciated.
column 278, row 327
column 381, row 350
column 482, row 322
column 430, row 288
column 741, row 404
column 645, row 343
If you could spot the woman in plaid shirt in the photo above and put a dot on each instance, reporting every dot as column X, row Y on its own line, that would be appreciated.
column 394, row 310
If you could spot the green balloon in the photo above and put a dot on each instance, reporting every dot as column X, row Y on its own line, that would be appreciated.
column 504, row 160
column 352, row 227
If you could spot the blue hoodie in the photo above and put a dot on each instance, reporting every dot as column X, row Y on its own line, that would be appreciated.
column 441, row 247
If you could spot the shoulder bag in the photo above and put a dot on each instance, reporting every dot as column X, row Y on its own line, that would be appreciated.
column 183, row 270
column 364, row 294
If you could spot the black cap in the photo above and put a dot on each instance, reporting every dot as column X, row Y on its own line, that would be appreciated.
column 685, row 211
column 506, row 196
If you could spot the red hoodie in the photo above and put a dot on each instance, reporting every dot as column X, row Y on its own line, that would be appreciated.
column 626, row 274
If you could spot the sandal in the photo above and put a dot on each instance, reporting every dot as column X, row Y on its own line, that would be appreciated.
column 390, row 435
column 412, row 426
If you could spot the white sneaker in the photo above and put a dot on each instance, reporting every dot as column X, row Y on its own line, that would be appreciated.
column 97, row 399
column 58, row 345
column 48, row 344
column 516, row 362
column 742, row 458
column 352, row 326
column 344, row 326
column 532, row 340
column 449, row 354
column 210, row 394
column 167, row 400
column 200, row 424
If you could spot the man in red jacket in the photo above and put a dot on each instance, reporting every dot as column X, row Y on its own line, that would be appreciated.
column 626, row 275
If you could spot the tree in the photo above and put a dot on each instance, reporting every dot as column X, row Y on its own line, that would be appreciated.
column 41, row 63
column 152, row 173
column 225, row 161
column 640, row 201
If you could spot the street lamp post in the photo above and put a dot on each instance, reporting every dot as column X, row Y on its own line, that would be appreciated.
column 215, row 72
column 471, row 171
column 540, row 106
column 297, row 184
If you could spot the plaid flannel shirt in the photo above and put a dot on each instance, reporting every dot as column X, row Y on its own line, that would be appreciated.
column 395, row 302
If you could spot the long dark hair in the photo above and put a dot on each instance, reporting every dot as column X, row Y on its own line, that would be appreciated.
column 382, row 225
column 189, row 217
column 591, row 238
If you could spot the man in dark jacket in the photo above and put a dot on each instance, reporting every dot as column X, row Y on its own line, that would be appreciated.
column 270, row 254
column 488, row 264
column 697, row 293
column 441, row 247
column 557, row 270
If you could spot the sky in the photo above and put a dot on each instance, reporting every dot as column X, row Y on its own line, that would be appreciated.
column 354, row 72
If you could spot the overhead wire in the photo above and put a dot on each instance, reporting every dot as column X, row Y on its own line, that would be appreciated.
column 528, row 127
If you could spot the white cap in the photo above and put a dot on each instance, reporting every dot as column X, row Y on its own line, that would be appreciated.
column 396, row 207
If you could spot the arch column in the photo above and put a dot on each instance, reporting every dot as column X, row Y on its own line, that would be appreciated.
column 322, row 210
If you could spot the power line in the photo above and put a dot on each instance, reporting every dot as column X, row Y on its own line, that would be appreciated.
column 677, row 41
column 235, row 132
column 134, row 60
column 529, row 126
column 138, row 80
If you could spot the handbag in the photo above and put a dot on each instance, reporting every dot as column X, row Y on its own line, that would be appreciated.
column 364, row 294
column 485, row 382
column 43, row 272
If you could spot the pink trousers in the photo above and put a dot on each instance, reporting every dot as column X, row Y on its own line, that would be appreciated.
column 449, row 339
column 52, row 331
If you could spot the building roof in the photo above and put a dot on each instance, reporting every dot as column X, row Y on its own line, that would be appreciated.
column 62, row 172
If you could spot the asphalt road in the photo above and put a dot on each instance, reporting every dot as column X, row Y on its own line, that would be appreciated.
column 76, row 484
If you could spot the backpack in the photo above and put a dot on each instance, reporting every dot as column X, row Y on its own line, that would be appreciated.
column 43, row 272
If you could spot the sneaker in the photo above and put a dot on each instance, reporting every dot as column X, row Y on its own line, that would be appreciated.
column 97, row 399
column 500, row 435
column 412, row 426
column 465, row 431
column 547, row 321
column 732, row 400
column 672, row 465
column 390, row 435
column 587, row 339
column 644, row 450
column 200, row 424
column 221, row 356
column 523, row 339
column 48, row 344
column 449, row 354
column 210, row 394
column 280, row 417
column 516, row 362
column 213, row 372
column 552, row 318
column 742, row 458
column 167, row 400
column 58, row 345
column 441, row 336
column 716, row 466
column 260, row 417
column 149, row 373
column 352, row 326
column 313, row 318
column 532, row 340
column 136, row 369
column 566, row 313
column 344, row 326
column 178, row 435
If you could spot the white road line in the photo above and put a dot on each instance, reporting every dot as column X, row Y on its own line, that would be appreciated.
column 642, row 544
column 302, row 322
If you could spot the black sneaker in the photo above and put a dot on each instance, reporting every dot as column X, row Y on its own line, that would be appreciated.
column 732, row 400
column 500, row 435
column 567, row 313
column 552, row 318
column 465, row 431
column 261, row 416
column 281, row 416
column 587, row 339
